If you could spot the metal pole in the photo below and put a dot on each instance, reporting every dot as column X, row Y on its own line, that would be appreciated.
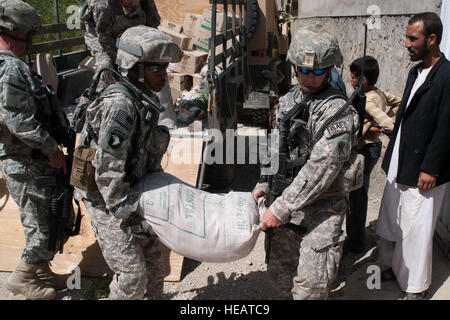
column 56, row 16
column 225, row 27
column 82, row 29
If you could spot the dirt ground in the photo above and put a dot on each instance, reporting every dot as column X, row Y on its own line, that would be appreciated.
column 246, row 279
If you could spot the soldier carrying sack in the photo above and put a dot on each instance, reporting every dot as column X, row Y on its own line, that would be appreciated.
column 313, row 193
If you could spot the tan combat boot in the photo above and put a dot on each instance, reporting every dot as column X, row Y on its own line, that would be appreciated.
column 46, row 275
column 24, row 281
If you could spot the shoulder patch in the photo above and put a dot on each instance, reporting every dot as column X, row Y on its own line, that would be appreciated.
column 336, row 128
column 115, row 139
column 17, row 83
column 124, row 119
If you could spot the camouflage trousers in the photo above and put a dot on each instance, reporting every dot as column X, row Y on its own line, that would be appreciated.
column 303, row 268
column 19, row 173
column 124, row 253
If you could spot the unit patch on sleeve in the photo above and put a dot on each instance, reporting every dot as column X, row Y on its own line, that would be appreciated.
column 336, row 129
column 116, row 138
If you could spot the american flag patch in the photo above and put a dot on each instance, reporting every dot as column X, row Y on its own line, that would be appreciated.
column 125, row 120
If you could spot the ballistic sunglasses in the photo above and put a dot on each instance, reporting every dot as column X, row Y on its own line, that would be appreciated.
column 156, row 67
column 316, row 72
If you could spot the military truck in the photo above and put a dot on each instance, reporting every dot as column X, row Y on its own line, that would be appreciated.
column 69, row 52
column 247, row 68
column 252, row 58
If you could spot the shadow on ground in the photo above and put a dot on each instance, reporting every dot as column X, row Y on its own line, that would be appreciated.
column 251, row 286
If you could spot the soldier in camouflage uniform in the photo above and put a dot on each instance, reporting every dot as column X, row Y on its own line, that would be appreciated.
column 129, row 144
column 105, row 21
column 313, row 199
column 26, row 150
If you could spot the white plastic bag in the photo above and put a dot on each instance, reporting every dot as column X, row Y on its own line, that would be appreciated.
column 196, row 224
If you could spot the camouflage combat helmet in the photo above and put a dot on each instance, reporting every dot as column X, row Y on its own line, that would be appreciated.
column 314, row 48
column 19, row 16
column 145, row 44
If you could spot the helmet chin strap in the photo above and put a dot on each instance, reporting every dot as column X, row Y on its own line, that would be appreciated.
column 141, row 72
column 15, row 38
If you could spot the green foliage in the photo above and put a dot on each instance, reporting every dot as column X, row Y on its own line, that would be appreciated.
column 98, row 288
column 46, row 10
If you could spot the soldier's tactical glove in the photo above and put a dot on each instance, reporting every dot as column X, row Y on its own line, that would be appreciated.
column 140, row 228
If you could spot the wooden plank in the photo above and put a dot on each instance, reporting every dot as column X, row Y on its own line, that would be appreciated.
column 57, row 28
column 83, row 250
column 182, row 159
column 56, row 44
column 173, row 264
column 175, row 11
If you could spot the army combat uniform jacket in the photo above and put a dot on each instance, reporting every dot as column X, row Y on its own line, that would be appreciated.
column 106, row 20
column 327, row 157
column 20, row 130
column 127, row 147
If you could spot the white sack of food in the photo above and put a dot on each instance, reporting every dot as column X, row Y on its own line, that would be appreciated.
column 197, row 224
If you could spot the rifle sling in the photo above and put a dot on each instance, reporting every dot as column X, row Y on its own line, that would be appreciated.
column 334, row 117
column 117, row 87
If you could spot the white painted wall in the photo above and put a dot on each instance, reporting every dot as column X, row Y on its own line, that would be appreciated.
column 344, row 8
column 445, row 17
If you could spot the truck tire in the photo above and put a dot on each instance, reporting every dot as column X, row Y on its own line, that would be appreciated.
column 251, row 17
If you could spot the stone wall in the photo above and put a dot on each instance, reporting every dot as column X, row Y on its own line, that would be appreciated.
column 385, row 43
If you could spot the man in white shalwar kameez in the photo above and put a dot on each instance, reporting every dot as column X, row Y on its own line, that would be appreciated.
column 408, row 212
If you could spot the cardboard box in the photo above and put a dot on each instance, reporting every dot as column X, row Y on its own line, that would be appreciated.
column 191, row 24
column 180, row 39
column 172, row 26
column 192, row 62
column 201, row 39
column 197, row 79
column 207, row 17
column 175, row 93
column 180, row 81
